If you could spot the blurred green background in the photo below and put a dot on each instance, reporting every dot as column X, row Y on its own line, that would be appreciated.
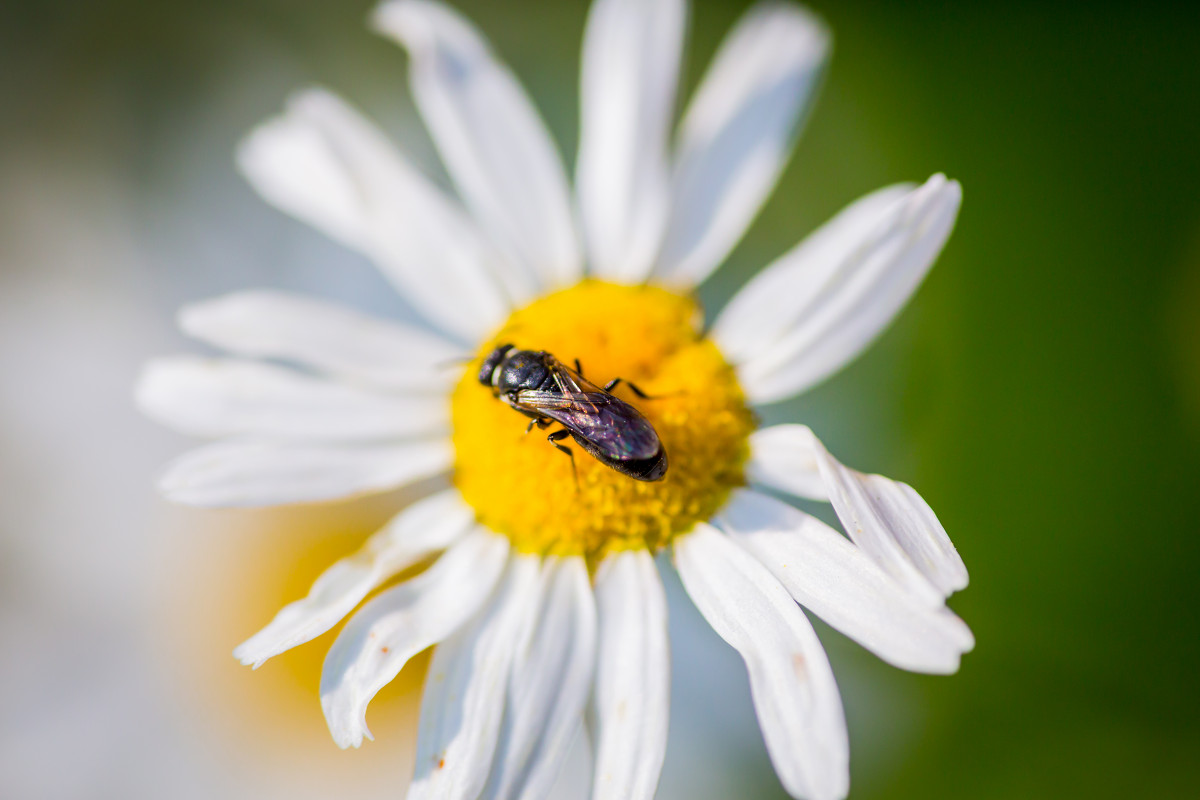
column 1042, row 392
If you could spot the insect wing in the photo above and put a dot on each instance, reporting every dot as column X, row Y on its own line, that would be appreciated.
column 610, row 424
column 569, row 381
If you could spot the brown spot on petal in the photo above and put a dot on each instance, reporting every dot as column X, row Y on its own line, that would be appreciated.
column 441, row 763
column 799, row 666
column 383, row 650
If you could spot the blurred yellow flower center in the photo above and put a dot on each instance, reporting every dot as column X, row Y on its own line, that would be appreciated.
column 523, row 487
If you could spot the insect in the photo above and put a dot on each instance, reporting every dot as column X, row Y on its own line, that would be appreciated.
column 541, row 387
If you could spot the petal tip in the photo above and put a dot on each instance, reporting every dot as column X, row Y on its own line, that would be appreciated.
column 405, row 21
column 256, row 145
column 311, row 101
column 380, row 18
column 941, row 188
column 346, row 725
column 250, row 656
column 806, row 22
column 145, row 385
column 954, row 189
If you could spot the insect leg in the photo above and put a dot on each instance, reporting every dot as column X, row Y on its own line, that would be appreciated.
column 579, row 367
column 541, row 422
column 557, row 437
column 608, row 387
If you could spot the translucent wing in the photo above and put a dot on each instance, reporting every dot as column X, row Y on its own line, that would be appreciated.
column 569, row 381
column 608, row 423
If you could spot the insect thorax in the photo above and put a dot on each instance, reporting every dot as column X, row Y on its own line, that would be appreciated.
column 523, row 369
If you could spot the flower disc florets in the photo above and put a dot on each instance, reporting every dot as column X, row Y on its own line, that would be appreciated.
column 521, row 486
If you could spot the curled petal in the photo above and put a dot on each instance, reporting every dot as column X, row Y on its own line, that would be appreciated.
column 420, row 531
column 886, row 518
column 401, row 622
column 828, row 575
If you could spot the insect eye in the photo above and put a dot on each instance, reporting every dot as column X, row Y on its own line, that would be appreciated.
column 491, row 362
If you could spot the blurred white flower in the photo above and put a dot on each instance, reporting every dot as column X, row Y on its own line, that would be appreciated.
column 542, row 595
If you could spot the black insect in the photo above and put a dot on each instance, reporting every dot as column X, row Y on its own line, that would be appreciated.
column 541, row 387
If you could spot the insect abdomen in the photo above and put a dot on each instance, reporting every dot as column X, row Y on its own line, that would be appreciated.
column 642, row 469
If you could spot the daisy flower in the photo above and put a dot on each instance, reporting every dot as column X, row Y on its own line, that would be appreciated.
column 536, row 583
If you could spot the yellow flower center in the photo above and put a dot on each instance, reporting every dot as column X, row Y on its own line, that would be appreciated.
column 524, row 488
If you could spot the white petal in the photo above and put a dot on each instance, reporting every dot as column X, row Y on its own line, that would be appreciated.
column 388, row 631
column 494, row 145
column 630, row 72
column 295, row 167
column 326, row 337
column 838, row 582
column 223, row 397
column 737, row 134
column 781, row 457
column 835, row 295
column 795, row 696
column 888, row 520
column 777, row 299
column 420, row 531
column 324, row 163
column 261, row 474
column 464, row 698
column 549, row 686
column 633, row 678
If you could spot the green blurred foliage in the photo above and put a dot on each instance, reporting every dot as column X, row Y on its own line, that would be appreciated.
column 1042, row 392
